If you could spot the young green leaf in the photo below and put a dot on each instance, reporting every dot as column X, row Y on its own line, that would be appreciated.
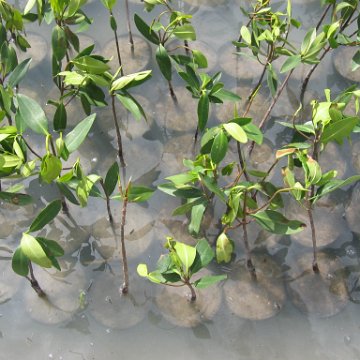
column 31, row 248
column 204, row 255
column 291, row 63
column 219, row 147
column 236, row 132
column 186, row 255
column 185, row 32
column 19, row 72
column 224, row 248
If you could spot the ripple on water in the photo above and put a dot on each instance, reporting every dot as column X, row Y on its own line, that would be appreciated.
column 255, row 299
column 320, row 294
column 62, row 293
column 113, row 309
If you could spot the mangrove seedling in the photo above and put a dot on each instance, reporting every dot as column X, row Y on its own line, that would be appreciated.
column 37, row 249
column 329, row 123
column 178, row 266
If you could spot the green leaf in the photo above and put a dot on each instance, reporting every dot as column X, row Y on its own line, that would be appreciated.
column 197, row 213
column 219, row 147
column 236, row 132
column 199, row 59
column 60, row 118
column 185, row 32
column 333, row 185
column 207, row 281
column 45, row 216
column 90, row 64
column 145, row 30
column 224, row 248
column 19, row 72
column 58, row 42
column 226, row 95
column 51, row 247
column 339, row 130
column 183, row 209
column 31, row 248
column 75, row 137
column 16, row 198
column 111, row 178
column 131, row 80
column 50, row 168
column 203, row 111
column 212, row 185
column 140, row 193
column 20, row 263
column 142, row 270
column 164, row 62
column 186, row 192
column 32, row 114
column 245, row 34
column 204, row 255
column 276, row 223
column 290, row 63
column 186, row 254
column 132, row 105
column 253, row 133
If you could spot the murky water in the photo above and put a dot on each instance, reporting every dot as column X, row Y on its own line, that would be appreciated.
column 85, row 318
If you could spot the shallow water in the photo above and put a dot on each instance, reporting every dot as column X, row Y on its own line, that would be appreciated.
column 152, row 152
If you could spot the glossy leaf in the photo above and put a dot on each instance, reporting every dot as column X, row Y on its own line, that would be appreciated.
column 185, row 32
column 31, row 248
column 50, row 168
column 236, row 132
column 19, row 72
column 276, row 223
column 90, row 65
column 75, row 137
column 142, row 270
column 145, row 30
column 132, row 105
column 46, row 215
column 207, row 281
column 20, row 263
column 199, row 59
column 58, row 42
column 164, row 62
column 60, row 118
column 16, row 198
column 219, row 147
column 51, row 247
column 290, row 63
column 339, row 130
column 111, row 178
column 186, row 254
column 32, row 114
column 197, row 213
column 224, row 248
column 203, row 111
column 204, row 255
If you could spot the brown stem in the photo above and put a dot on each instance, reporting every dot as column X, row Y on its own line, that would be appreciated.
column 131, row 40
column 125, row 287
column 172, row 92
column 34, row 283
column 117, row 49
column 187, row 48
column 193, row 293
column 242, row 162
column 315, row 265
column 249, row 264
column 323, row 16
column 274, row 101
column 118, row 134
column 28, row 146
column 108, row 208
